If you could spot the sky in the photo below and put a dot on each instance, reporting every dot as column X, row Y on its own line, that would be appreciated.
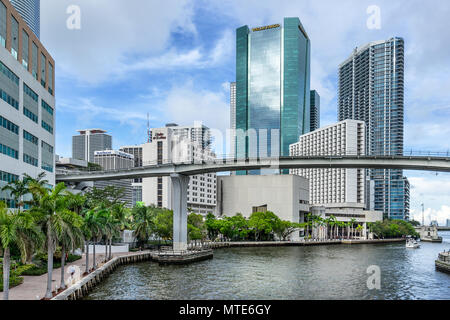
column 174, row 60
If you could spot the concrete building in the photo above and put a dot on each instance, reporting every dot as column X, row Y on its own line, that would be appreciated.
column 272, row 88
column 330, row 186
column 27, row 102
column 285, row 195
column 315, row 110
column 136, row 151
column 88, row 141
column 30, row 11
column 448, row 223
column 346, row 212
column 371, row 89
column 177, row 144
column 113, row 159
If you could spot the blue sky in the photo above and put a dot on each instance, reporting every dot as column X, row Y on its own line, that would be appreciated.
column 174, row 60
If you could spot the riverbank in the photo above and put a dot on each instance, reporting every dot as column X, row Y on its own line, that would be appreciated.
column 219, row 245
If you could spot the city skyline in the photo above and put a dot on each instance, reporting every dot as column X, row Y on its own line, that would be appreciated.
column 198, row 51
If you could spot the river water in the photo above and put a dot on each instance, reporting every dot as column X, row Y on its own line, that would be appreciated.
column 319, row 272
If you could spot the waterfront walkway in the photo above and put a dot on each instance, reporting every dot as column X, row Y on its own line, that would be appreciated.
column 34, row 287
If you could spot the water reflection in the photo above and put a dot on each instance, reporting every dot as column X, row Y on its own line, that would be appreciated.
column 326, row 272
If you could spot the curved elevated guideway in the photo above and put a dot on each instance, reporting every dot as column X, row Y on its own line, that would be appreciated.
column 180, row 172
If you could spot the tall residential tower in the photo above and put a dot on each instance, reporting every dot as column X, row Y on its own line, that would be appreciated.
column 272, row 87
column 371, row 89
column 30, row 11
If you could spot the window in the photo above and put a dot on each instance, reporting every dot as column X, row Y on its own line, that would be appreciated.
column 50, row 78
column 34, row 60
column 47, row 127
column 47, row 107
column 47, row 167
column 9, row 151
column 30, row 160
column 8, row 177
column 14, row 37
column 29, row 92
column 25, row 40
column 9, row 74
column 30, row 115
column 5, row 123
column 31, row 138
column 46, row 146
column 43, row 74
column 2, row 24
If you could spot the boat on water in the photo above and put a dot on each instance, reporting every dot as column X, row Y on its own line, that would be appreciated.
column 443, row 262
column 412, row 243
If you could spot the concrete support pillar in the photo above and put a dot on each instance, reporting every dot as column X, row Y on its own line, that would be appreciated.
column 365, row 230
column 179, row 205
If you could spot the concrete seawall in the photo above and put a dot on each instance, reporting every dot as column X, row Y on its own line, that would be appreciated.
column 219, row 245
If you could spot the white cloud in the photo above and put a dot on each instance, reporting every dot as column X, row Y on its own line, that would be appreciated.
column 440, row 215
column 112, row 33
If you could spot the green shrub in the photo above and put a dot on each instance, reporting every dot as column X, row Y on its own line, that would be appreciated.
column 14, row 280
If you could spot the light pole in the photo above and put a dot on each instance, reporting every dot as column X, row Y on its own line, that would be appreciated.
column 423, row 216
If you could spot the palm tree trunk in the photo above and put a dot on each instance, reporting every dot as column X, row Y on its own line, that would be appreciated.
column 110, row 248
column 93, row 258
column 48, row 294
column 63, row 261
column 106, row 249
column 6, row 266
column 87, row 256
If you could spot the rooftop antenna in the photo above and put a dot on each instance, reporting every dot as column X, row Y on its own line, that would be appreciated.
column 149, row 133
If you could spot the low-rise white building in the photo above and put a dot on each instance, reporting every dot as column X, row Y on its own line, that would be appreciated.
column 285, row 195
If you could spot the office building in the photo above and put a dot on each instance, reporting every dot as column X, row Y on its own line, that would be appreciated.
column 272, row 88
column 315, row 111
column 371, row 89
column 88, row 141
column 198, row 134
column 30, row 11
column 136, row 151
column 327, row 186
column 285, row 195
column 173, row 144
column 113, row 159
column 27, row 104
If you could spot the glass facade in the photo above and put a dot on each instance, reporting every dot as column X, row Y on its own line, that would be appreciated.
column 371, row 89
column 272, row 88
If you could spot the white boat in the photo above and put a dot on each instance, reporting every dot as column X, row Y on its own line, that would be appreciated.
column 411, row 243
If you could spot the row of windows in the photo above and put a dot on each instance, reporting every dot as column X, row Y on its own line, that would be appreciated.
column 9, row 74
column 8, row 177
column 5, row 123
column 30, row 160
column 10, row 100
column 47, row 107
column 28, row 136
column 9, row 151
column 47, row 147
column 47, row 167
column 47, row 127
column 30, row 92
column 30, row 115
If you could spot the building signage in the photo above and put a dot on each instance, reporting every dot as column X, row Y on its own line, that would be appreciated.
column 266, row 27
column 159, row 136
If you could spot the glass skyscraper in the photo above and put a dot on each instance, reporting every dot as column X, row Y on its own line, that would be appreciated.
column 30, row 11
column 371, row 89
column 315, row 110
column 272, row 87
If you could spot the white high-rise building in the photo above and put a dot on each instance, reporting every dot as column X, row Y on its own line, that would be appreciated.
column 88, row 141
column 331, row 186
column 173, row 144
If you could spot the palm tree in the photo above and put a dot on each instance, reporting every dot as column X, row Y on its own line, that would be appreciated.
column 55, row 219
column 95, row 219
column 143, row 223
column 71, row 238
column 352, row 222
column 13, row 224
column 17, row 189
